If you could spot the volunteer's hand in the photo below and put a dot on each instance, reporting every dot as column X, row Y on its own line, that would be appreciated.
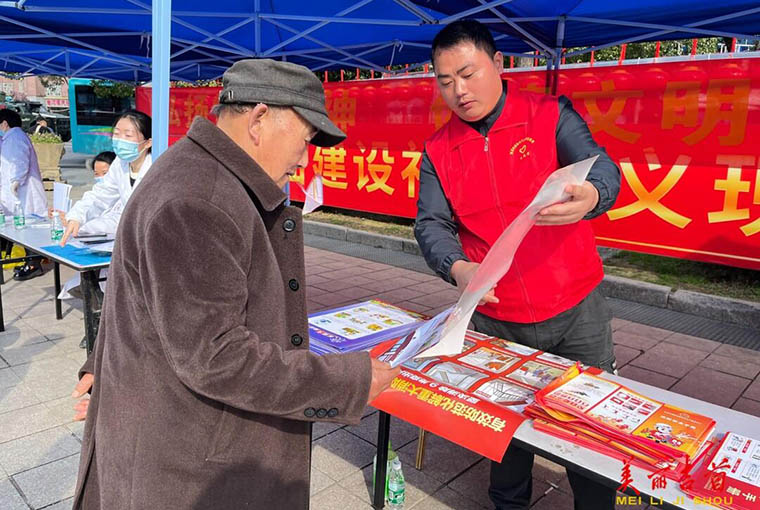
column 72, row 229
column 82, row 387
column 583, row 199
column 14, row 188
column 382, row 375
column 462, row 272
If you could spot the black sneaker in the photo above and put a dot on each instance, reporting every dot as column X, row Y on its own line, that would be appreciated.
column 28, row 272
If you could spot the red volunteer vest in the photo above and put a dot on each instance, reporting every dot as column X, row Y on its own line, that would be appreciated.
column 489, row 181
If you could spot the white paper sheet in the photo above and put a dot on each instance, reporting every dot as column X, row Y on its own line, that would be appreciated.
column 61, row 200
column 493, row 268
column 314, row 194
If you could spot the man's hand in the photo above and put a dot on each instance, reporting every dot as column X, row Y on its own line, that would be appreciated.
column 14, row 188
column 583, row 199
column 72, row 229
column 382, row 375
column 462, row 272
column 82, row 387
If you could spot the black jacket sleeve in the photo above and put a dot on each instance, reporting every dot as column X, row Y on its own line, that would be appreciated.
column 435, row 228
column 575, row 143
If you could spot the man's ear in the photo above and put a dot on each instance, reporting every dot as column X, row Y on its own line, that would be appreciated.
column 256, row 119
column 498, row 61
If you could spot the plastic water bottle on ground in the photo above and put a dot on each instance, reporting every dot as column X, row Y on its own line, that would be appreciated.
column 392, row 460
column 18, row 216
column 396, row 486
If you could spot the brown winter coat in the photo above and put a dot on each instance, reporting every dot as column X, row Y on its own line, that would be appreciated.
column 204, row 384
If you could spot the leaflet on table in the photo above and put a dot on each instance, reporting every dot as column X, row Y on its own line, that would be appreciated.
column 630, row 415
column 61, row 200
column 446, row 333
column 474, row 398
column 359, row 326
column 729, row 476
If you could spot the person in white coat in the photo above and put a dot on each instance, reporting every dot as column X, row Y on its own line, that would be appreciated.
column 131, row 143
column 20, row 180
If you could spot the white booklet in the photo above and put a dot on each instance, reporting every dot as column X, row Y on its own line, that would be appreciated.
column 443, row 335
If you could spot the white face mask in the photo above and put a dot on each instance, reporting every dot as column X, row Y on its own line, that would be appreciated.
column 98, row 179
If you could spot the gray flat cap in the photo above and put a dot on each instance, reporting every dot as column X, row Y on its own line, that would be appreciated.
column 281, row 84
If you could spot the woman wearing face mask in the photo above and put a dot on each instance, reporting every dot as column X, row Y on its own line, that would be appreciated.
column 131, row 143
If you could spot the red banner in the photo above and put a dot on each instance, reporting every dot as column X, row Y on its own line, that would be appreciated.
column 684, row 133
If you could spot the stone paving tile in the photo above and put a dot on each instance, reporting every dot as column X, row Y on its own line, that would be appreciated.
column 76, row 428
column 670, row 359
column 443, row 460
column 646, row 331
column 554, row 500
column 732, row 366
column 445, row 499
column 443, row 298
column 548, row 471
column 619, row 323
column 711, row 386
column 648, row 377
column 16, row 397
column 29, row 353
column 753, row 391
column 336, row 497
column 19, row 335
column 399, row 295
column 693, row 342
column 634, row 341
column 357, row 294
column 625, row 355
column 417, row 485
column 50, row 483
column 8, row 378
column 402, row 433
column 473, row 483
column 332, row 299
column 66, row 504
column 340, row 284
column 319, row 481
column 434, row 286
column 748, row 406
column 341, row 453
column 739, row 353
column 9, row 496
column 70, row 344
column 322, row 428
column 384, row 285
column 37, row 449
column 415, row 307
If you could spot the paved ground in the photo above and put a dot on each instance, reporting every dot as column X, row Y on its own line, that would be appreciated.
column 39, row 358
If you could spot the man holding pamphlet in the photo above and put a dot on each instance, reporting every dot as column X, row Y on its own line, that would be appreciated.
column 482, row 169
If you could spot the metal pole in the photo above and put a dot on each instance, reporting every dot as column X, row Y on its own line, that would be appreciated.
column 160, row 63
column 381, row 464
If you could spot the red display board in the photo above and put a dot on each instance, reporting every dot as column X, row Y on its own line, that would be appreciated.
column 685, row 134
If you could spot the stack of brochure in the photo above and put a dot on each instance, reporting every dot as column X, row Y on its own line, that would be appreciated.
column 359, row 327
column 729, row 477
column 612, row 419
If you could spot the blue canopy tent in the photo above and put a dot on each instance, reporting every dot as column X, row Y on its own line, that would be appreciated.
column 189, row 39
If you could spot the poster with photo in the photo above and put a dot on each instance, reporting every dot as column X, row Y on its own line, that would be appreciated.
column 489, row 359
column 506, row 393
column 557, row 360
column 624, row 410
column 455, row 375
column 583, row 392
column 535, row 374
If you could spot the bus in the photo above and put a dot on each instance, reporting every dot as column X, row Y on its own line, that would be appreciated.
column 93, row 117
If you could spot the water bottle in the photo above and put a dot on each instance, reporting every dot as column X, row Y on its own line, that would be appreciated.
column 18, row 216
column 56, row 228
column 396, row 486
column 391, row 455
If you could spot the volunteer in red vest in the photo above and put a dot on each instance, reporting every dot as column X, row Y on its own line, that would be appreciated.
column 478, row 172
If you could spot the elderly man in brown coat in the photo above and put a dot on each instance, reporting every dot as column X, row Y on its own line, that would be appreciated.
column 205, row 389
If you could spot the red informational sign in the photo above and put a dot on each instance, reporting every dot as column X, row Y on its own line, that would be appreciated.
column 685, row 135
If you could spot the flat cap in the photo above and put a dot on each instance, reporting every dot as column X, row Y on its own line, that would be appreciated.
column 278, row 83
